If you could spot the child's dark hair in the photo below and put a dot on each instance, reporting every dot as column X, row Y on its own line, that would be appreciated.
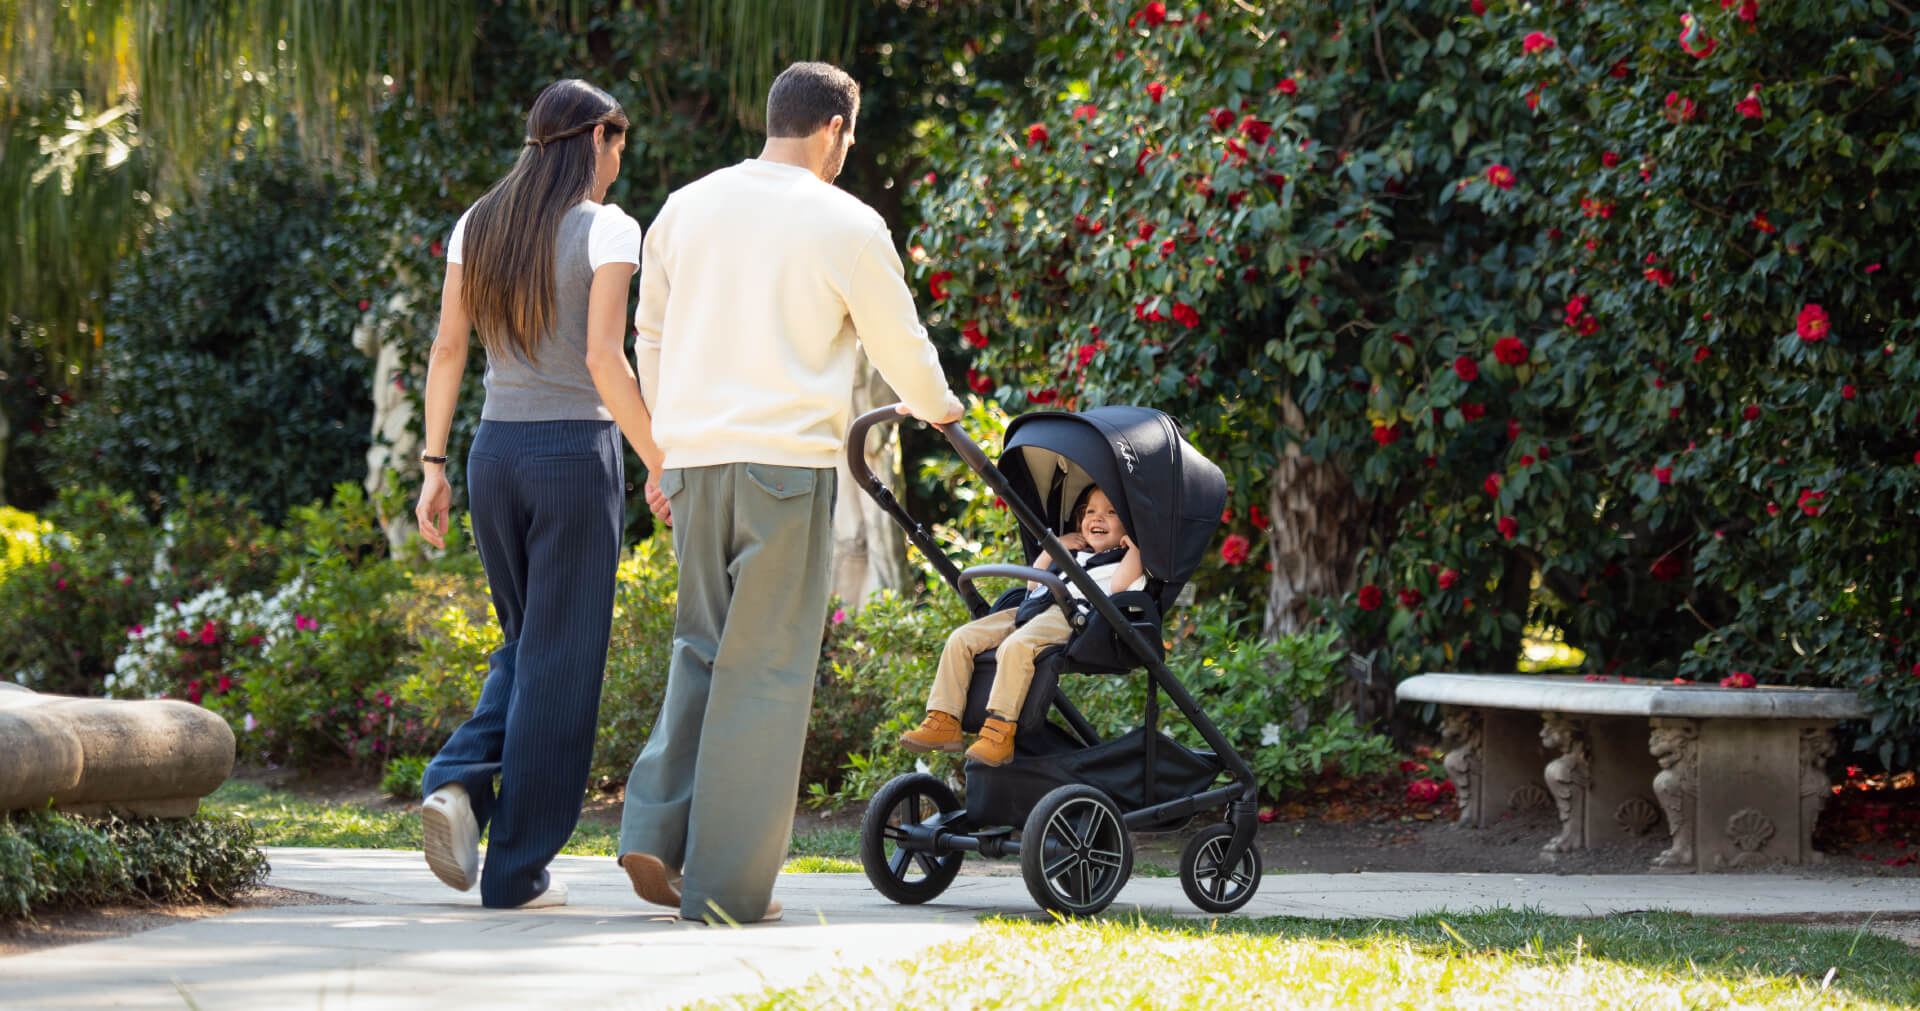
column 1080, row 508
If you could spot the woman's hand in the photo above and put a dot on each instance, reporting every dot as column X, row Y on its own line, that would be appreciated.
column 657, row 500
column 436, row 501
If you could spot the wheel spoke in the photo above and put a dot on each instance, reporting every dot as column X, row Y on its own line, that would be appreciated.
column 898, row 865
column 893, row 832
column 1080, row 884
column 929, row 866
column 1059, row 866
column 1105, row 858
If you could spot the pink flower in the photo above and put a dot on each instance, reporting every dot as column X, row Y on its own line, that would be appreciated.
column 1536, row 42
column 208, row 634
column 1448, row 577
column 1664, row 475
column 839, row 615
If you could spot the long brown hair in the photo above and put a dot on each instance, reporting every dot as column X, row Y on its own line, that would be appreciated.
column 507, row 267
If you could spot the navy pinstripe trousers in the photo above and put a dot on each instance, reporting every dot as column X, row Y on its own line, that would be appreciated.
column 547, row 506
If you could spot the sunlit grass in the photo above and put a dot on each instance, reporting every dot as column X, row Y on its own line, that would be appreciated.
column 1499, row 959
column 281, row 819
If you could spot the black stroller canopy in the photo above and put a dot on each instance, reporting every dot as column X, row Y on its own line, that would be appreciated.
column 1167, row 493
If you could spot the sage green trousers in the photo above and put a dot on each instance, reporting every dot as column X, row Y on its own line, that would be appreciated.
column 714, row 789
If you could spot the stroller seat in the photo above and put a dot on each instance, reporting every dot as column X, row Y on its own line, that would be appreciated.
column 1095, row 649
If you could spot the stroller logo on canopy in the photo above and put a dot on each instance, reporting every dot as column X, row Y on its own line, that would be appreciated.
column 1126, row 453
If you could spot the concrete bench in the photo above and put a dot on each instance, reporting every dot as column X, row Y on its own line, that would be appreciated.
column 1735, row 776
column 91, row 756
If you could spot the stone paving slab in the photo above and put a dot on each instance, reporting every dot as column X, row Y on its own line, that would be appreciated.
column 407, row 941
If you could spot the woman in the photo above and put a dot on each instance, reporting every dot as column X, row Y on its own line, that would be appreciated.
column 540, row 267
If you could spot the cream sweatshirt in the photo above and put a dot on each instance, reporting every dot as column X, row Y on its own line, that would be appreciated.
column 756, row 284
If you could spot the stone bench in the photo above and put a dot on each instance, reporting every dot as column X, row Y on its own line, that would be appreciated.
column 91, row 756
column 1735, row 776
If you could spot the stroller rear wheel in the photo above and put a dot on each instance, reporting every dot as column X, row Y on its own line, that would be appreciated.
column 1213, row 887
column 1075, row 852
column 898, row 869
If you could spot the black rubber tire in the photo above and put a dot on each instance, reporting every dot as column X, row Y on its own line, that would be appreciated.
column 908, row 799
column 1075, row 851
column 1216, row 889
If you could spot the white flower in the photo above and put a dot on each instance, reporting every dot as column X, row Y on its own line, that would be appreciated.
column 1270, row 735
column 249, row 723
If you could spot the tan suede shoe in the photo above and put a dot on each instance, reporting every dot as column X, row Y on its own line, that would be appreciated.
column 995, row 746
column 938, row 732
column 651, row 879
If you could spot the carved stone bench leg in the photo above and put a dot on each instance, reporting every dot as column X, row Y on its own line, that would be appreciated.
column 1675, row 744
column 1568, row 778
column 1495, row 763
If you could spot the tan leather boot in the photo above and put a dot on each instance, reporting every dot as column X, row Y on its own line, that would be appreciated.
column 939, row 732
column 995, row 746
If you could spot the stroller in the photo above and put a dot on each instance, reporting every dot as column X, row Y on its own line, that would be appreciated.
column 1074, row 798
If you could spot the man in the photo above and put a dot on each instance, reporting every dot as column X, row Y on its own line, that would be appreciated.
column 756, row 283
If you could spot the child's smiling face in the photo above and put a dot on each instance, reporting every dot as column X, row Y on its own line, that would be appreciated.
column 1101, row 524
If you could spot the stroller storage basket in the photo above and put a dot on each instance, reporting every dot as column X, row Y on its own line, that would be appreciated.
column 1004, row 795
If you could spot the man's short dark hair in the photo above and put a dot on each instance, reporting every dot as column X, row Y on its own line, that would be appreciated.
column 806, row 97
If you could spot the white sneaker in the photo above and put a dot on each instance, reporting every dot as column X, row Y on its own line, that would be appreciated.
column 450, row 837
column 555, row 895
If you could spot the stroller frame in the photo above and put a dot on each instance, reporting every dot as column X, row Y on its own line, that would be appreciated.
column 1220, row 869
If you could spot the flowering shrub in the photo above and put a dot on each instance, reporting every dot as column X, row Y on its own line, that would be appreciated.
column 1559, row 305
column 188, row 649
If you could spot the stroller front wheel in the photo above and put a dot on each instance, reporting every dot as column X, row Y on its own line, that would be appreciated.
column 1212, row 886
column 898, row 868
column 1075, row 851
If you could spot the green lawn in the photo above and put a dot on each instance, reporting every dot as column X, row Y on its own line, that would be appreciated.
column 1499, row 959
column 285, row 820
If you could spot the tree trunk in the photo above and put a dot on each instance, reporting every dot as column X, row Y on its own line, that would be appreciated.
column 395, row 436
column 1315, row 531
column 869, row 549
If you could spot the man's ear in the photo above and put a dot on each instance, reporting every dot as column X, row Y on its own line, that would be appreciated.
column 835, row 126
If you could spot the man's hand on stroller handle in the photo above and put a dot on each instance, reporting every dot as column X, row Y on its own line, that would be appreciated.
column 952, row 413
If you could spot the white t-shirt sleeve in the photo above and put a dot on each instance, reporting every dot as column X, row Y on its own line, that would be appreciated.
column 613, row 238
column 459, row 233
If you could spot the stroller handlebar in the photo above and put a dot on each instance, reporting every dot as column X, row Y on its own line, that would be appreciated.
column 876, row 489
column 1052, row 581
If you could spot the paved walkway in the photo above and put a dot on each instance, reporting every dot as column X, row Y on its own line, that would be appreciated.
column 404, row 940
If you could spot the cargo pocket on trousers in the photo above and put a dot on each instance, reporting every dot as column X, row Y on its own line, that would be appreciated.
column 781, row 482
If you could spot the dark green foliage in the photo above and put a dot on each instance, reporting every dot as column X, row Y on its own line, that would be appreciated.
column 228, row 363
column 49, row 859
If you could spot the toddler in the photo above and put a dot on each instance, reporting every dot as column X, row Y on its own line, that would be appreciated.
column 1101, row 546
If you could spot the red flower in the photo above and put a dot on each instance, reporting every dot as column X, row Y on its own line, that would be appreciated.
column 1526, row 459
column 208, row 635
column 1751, row 412
column 1087, row 351
column 1386, row 434
column 193, row 692
column 1036, row 135
column 1773, row 508
column 1491, row 485
column 1257, row 518
column 1810, row 501
column 1509, row 527
column 1154, row 14
column 1156, row 91
column 1610, row 159
column 1046, row 396
column 1812, row 323
column 225, row 684
column 1234, row 549
column 978, row 382
column 1619, row 69
column 1222, row 118
column 1575, row 306
column 437, row 248
column 1369, row 597
column 1409, row 597
column 1749, row 10
column 937, row 284
column 1500, row 176
column 971, row 331
column 1847, row 391
column 1226, row 515
column 1664, row 475
column 1255, row 130
column 1536, row 42
column 1448, row 577
column 1287, row 86
column 1665, row 569
column 1466, row 368
column 1693, row 40
column 1479, row 7
column 1663, row 278
column 365, row 305
column 1760, row 221
column 1701, row 354
column 1513, row 428
column 1510, row 350
column 1423, row 791
column 1750, row 106
column 1679, row 109
column 1086, row 111
column 1738, row 679
column 1186, row 315
column 1473, row 412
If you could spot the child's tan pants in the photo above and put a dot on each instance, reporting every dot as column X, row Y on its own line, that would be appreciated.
column 1017, row 648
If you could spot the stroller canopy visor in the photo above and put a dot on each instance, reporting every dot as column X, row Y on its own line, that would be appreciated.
column 1166, row 492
